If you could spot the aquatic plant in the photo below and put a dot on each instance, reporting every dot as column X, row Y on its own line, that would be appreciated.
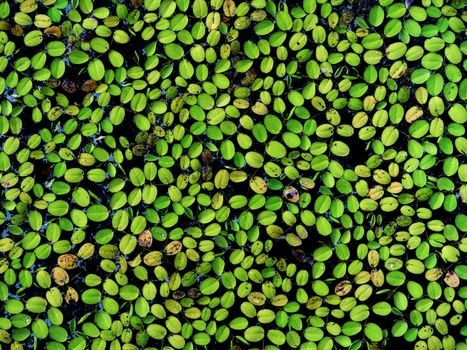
column 202, row 174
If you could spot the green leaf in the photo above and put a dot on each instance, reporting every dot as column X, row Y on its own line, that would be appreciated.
column 129, row 292
column 373, row 332
column 97, row 213
column 35, row 220
column 156, row 331
column 91, row 296
column 209, row 286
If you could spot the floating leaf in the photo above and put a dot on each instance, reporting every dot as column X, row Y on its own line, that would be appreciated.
column 173, row 248
column 145, row 239
column 67, row 261
column 6, row 244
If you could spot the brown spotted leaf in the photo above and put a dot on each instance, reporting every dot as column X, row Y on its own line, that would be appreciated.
column 67, row 261
column 71, row 295
column 145, row 239
column 153, row 258
column 178, row 294
column 258, row 185
column 173, row 248
column 377, row 277
column 291, row 194
column 451, row 279
column 60, row 276
column 193, row 293
column 229, row 8
column 433, row 274
column 373, row 258
column 343, row 288
column 69, row 86
column 206, row 156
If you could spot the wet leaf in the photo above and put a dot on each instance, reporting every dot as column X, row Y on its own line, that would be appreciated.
column 67, row 261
